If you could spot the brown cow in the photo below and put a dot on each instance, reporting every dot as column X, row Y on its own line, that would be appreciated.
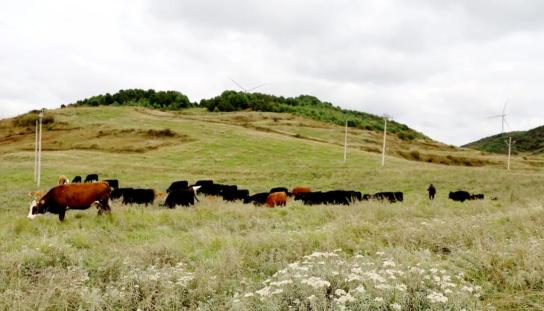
column 276, row 198
column 298, row 190
column 72, row 196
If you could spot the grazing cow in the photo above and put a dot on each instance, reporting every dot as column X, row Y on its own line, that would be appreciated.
column 432, row 192
column 72, row 196
column 63, row 180
column 477, row 196
column 207, row 187
column 178, row 185
column 139, row 196
column 76, row 180
column 114, row 183
column 257, row 199
column 330, row 197
column 239, row 194
column 277, row 198
column 183, row 197
column 91, row 178
column 460, row 196
column 298, row 190
column 119, row 192
column 279, row 189
column 391, row 197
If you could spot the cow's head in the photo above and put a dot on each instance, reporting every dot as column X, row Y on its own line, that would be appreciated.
column 36, row 208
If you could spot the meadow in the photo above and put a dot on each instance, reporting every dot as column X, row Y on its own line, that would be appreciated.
column 415, row 255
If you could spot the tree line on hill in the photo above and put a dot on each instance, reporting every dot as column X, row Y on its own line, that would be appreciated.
column 303, row 105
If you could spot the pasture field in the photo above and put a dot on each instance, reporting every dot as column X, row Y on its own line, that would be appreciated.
column 230, row 256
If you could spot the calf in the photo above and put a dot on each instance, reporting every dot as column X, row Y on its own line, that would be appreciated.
column 76, row 180
column 276, row 198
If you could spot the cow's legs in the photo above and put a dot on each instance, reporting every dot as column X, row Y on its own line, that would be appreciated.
column 62, row 213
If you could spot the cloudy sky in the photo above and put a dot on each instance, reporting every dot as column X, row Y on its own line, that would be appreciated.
column 441, row 67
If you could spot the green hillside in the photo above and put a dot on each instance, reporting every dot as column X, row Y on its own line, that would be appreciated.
column 415, row 255
column 528, row 142
column 228, row 101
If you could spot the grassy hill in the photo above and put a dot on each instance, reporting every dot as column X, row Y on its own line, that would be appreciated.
column 527, row 142
column 219, row 255
column 228, row 101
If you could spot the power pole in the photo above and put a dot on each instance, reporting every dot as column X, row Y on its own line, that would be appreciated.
column 509, row 143
column 346, row 142
column 385, row 118
column 40, row 116
column 36, row 155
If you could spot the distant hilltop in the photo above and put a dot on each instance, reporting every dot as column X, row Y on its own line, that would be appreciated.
column 302, row 105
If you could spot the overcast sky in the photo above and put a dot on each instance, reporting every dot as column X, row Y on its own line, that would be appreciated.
column 441, row 67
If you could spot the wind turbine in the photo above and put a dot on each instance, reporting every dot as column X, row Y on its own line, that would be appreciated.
column 502, row 116
column 243, row 88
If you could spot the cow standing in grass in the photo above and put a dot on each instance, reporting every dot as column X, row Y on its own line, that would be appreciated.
column 72, row 196
column 276, row 199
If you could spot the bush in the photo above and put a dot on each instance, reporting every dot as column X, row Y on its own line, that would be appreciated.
column 29, row 119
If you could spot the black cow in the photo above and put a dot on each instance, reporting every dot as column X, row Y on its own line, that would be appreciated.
column 178, row 185
column 204, row 182
column 91, row 178
column 139, row 196
column 337, row 197
column 477, row 196
column 460, row 196
column 257, row 199
column 279, row 189
column 391, row 197
column 76, row 180
column 183, row 197
column 119, row 193
column 114, row 183
column 239, row 194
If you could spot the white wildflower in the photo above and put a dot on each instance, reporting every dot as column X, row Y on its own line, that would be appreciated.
column 360, row 289
column 436, row 297
column 395, row 306
column 378, row 299
column 340, row 292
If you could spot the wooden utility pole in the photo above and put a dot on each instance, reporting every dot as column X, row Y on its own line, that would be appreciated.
column 40, row 116
column 509, row 143
column 385, row 118
column 346, row 142
column 36, row 155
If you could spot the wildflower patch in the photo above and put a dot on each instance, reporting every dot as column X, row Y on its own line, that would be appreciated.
column 333, row 280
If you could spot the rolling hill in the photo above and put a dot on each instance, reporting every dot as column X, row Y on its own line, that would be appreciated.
column 230, row 256
column 526, row 142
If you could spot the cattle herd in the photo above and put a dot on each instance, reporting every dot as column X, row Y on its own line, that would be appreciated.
column 78, row 195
